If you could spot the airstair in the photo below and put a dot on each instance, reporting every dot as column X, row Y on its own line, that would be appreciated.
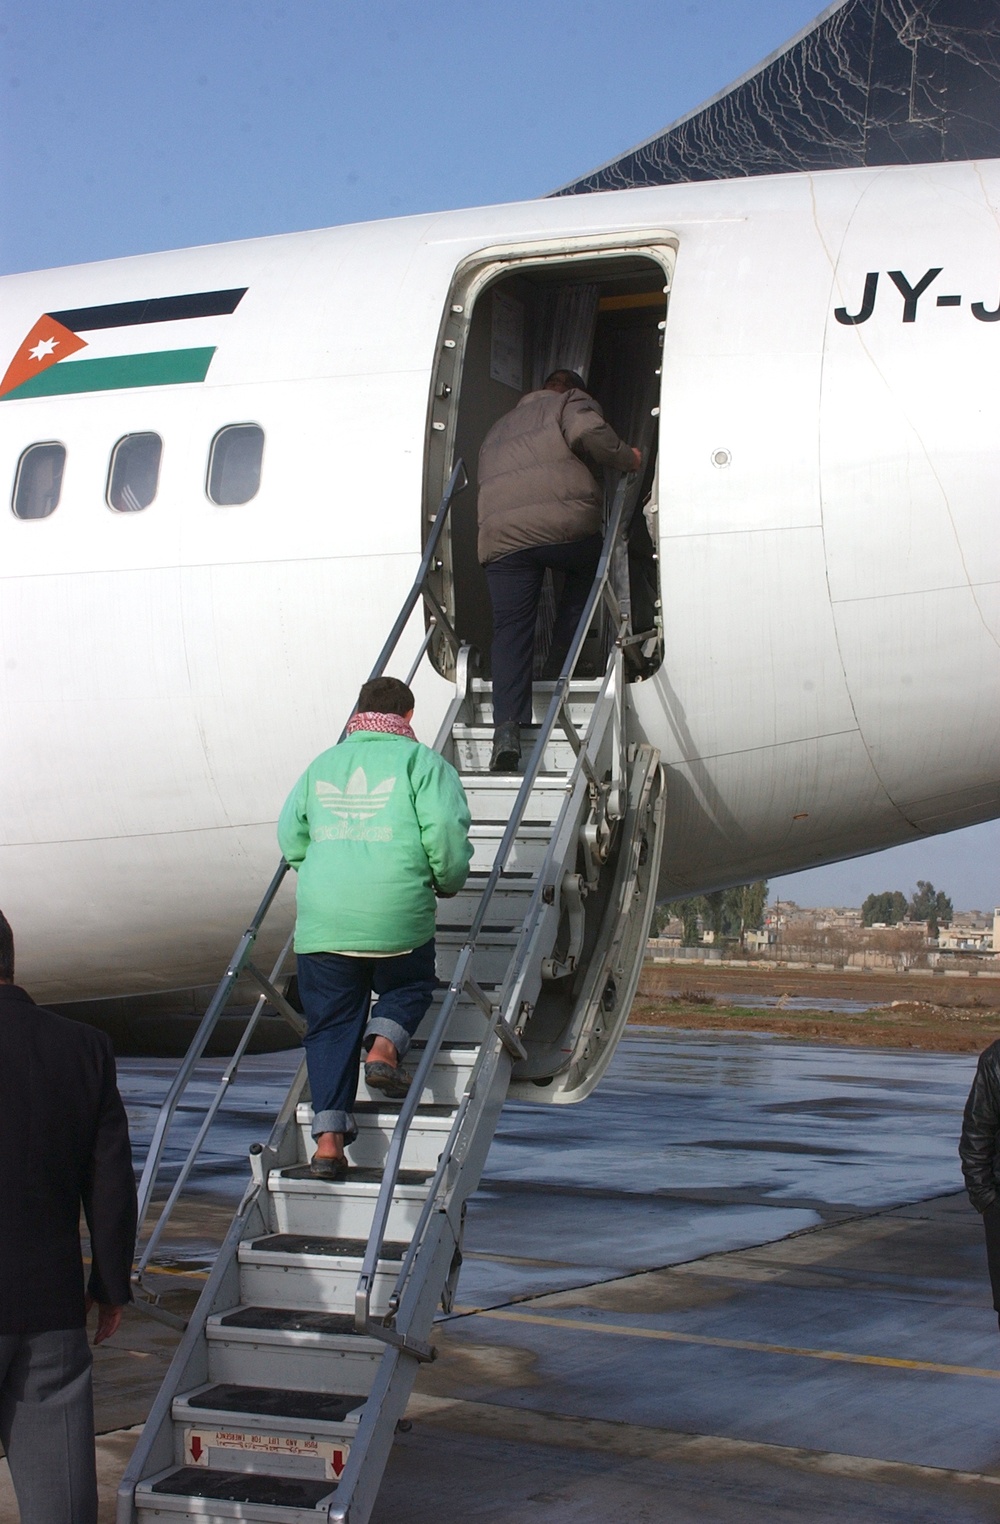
column 296, row 1366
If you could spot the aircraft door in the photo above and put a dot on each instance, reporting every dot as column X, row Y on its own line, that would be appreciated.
column 509, row 324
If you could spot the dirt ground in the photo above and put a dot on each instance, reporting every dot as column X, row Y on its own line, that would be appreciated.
column 938, row 1013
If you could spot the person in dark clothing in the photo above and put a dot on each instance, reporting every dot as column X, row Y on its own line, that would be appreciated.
column 979, row 1151
column 540, row 506
column 64, row 1142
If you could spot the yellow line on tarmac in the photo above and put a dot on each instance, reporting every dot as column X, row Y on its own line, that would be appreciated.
column 629, row 1331
column 194, row 1275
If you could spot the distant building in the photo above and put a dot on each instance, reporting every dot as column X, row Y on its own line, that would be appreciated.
column 974, row 939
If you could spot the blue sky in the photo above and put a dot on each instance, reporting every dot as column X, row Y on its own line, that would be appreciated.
column 135, row 125
column 131, row 125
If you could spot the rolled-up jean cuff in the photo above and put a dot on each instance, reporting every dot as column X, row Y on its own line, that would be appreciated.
column 335, row 1121
column 383, row 1026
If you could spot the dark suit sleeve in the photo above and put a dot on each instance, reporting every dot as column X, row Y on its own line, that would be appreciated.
column 109, row 1198
column 980, row 1127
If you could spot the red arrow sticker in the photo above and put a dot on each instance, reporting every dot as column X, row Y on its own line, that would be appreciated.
column 197, row 1449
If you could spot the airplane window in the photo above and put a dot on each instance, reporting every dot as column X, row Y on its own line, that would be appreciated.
column 134, row 472
column 234, row 463
column 38, row 482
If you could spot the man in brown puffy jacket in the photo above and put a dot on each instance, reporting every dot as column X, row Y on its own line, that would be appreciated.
column 540, row 505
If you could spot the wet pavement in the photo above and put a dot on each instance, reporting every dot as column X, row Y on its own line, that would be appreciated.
column 738, row 1283
column 751, row 1002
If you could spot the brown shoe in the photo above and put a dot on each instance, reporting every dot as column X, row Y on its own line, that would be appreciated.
column 392, row 1082
column 325, row 1167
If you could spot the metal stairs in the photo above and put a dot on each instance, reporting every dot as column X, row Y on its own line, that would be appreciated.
column 285, row 1393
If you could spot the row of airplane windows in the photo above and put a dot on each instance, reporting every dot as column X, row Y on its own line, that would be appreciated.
column 233, row 476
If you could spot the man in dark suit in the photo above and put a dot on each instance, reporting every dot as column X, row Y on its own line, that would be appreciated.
column 63, row 1142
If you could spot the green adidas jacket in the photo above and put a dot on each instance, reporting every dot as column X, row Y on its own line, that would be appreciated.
column 374, row 826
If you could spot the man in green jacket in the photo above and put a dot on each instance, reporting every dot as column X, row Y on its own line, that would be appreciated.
column 376, row 827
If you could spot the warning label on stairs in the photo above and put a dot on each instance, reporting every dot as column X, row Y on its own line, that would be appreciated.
column 198, row 1443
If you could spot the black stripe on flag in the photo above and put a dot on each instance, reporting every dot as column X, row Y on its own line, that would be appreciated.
column 158, row 309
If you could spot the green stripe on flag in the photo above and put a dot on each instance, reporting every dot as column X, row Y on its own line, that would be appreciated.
column 164, row 367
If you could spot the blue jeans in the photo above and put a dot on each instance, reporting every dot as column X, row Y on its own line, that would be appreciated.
column 515, row 583
column 336, row 993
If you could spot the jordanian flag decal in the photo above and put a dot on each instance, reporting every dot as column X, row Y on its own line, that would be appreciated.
column 48, row 364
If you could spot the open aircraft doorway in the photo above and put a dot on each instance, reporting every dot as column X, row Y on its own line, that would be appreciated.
column 513, row 317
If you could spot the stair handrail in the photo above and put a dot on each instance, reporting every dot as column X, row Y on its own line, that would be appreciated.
column 461, row 980
column 241, row 962
column 524, row 937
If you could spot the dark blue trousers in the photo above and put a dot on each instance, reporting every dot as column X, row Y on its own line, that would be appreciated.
column 515, row 584
column 336, row 993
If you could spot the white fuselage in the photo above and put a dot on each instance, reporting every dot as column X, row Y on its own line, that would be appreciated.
column 828, row 542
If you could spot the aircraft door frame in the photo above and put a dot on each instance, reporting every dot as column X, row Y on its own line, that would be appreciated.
column 473, row 277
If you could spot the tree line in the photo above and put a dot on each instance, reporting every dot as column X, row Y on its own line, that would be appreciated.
column 926, row 904
column 728, row 913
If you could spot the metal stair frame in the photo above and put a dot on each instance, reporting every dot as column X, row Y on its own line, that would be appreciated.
column 613, row 799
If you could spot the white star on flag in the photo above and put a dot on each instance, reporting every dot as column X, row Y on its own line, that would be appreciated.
column 37, row 352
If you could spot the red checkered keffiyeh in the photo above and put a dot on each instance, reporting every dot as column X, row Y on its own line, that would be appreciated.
column 387, row 724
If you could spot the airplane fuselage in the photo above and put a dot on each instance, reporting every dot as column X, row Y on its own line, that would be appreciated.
column 829, row 563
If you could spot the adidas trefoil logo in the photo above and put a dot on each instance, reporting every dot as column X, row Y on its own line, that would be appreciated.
column 356, row 801
column 357, row 806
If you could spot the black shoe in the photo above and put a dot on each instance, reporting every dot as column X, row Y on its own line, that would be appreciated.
column 506, row 756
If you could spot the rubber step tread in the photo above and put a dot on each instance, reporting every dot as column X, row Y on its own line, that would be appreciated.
column 336, row 1248
column 288, row 1320
column 243, row 1487
column 447, row 1047
column 355, row 1176
column 276, row 1402
column 490, row 936
column 510, row 878
column 460, row 932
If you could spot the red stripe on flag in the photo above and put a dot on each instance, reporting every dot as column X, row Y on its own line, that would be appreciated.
column 46, row 344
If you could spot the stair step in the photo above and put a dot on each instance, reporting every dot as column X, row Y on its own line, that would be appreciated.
column 369, row 1178
column 315, row 1272
column 286, row 1320
column 490, row 960
column 582, row 697
column 505, row 911
column 492, row 798
column 474, row 743
column 579, row 684
column 452, row 1066
column 250, row 1407
column 376, row 1122
column 526, row 855
column 468, row 1022
column 291, row 1348
column 344, row 1209
column 203, row 1493
column 319, row 1243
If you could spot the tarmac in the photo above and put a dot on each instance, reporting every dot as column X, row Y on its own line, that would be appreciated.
column 739, row 1283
